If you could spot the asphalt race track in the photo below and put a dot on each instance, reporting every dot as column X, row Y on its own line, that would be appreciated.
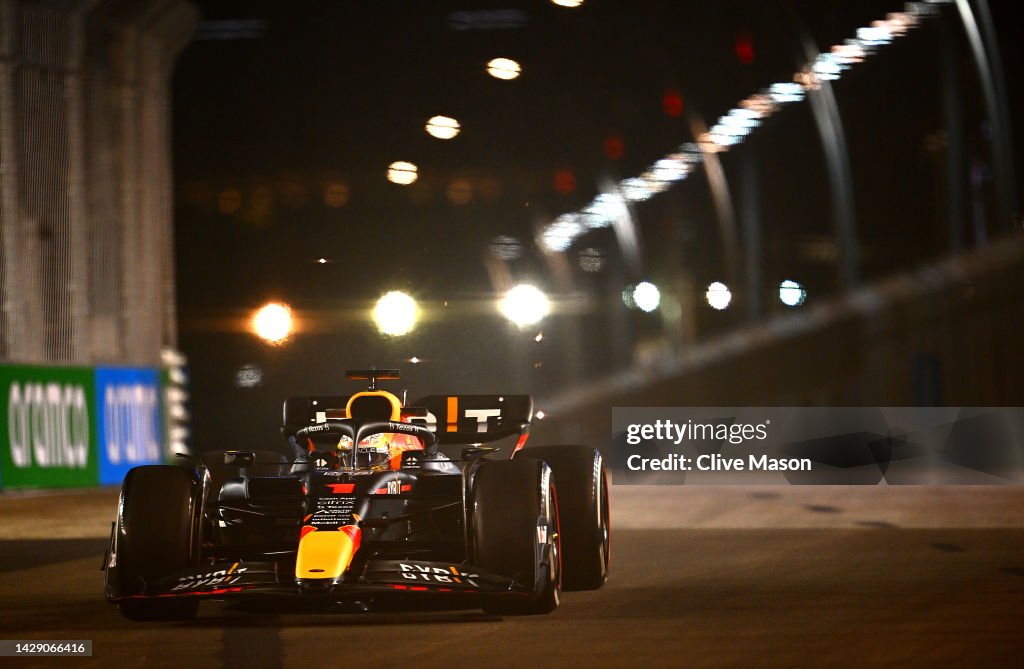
column 702, row 576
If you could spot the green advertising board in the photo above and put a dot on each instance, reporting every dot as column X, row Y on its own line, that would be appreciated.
column 47, row 427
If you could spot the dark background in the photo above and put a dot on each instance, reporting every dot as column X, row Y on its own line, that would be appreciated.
column 307, row 96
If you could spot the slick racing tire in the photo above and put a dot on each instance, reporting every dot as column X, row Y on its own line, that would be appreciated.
column 583, row 511
column 515, row 533
column 157, row 538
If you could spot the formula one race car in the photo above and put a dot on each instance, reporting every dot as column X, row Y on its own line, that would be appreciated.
column 376, row 502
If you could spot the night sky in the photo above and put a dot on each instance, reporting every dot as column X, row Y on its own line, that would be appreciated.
column 318, row 98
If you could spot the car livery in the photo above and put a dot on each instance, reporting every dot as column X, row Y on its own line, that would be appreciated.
column 368, row 501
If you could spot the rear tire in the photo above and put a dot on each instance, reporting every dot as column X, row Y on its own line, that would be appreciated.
column 583, row 510
column 157, row 538
column 512, row 500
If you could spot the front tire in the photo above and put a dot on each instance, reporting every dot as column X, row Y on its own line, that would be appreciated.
column 156, row 538
column 515, row 533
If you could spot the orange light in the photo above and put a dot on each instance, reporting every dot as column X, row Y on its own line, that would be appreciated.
column 273, row 323
column 459, row 192
column 335, row 194
column 229, row 201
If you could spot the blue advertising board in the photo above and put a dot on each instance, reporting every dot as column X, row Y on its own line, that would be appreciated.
column 129, row 420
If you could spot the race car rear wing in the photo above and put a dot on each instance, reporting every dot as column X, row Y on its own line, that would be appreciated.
column 455, row 419
column 462, row 419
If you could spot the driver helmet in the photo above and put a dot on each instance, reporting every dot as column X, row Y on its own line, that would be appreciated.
column 370, row 454
column 377, row 452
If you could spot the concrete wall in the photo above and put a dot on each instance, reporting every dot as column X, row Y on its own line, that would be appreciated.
column 949, row 334
column 86, row 252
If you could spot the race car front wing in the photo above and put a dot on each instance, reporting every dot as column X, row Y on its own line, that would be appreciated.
column 229, row 579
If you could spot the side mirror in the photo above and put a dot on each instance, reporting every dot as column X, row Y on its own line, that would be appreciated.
column 473, row 452
column 412, row 459
column 239, row 458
